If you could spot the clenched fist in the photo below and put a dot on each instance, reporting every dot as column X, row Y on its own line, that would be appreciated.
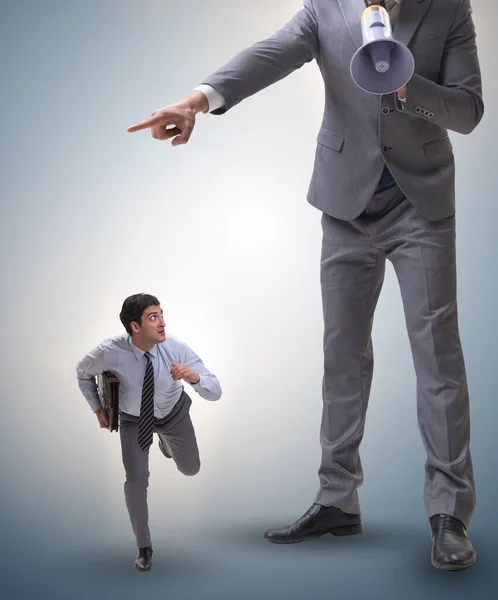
column 183, row 371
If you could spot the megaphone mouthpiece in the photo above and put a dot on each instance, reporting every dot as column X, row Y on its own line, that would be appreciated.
column 381, row 56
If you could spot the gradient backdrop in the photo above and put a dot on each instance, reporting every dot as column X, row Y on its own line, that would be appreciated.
column 221, row 232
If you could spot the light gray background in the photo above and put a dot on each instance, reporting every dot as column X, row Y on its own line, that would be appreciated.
column 220, row 231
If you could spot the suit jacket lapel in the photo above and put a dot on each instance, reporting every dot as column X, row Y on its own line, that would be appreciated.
column 352, row 11
column 411, row 14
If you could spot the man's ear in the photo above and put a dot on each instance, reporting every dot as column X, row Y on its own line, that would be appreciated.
column 135, row 327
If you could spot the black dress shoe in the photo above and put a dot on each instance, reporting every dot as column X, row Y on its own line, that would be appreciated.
column 317, row 521
column 451, row 548
column 143, row 562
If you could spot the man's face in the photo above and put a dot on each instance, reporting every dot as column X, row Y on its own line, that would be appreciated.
column 152, row 328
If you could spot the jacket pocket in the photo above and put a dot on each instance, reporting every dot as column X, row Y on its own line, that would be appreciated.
column 436, row 147
column 331, row 140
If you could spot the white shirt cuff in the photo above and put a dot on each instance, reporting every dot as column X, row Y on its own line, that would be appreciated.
column 214, row 98
column 401, row 102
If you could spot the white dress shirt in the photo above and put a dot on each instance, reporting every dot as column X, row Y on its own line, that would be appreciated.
column 120, row 356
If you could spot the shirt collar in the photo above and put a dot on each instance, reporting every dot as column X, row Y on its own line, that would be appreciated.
column 138, row 352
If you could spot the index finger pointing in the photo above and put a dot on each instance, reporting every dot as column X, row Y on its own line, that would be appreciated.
column 143, row 124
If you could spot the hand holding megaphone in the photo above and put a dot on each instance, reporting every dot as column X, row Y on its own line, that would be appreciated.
column 382, row 65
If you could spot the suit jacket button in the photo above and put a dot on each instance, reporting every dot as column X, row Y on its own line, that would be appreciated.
column 385, row 110
column 430, row 115
column 418, row 109
column 386, row 148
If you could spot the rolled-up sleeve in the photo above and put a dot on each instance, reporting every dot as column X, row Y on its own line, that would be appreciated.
column 208, row 387
column 87, row 369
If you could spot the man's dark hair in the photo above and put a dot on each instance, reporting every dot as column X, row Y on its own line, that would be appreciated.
column 133, row 309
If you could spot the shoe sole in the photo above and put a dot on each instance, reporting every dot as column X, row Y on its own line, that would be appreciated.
column 339, row 532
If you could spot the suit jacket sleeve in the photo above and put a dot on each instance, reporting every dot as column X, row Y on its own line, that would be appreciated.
column 455, row 102
column 268, row 61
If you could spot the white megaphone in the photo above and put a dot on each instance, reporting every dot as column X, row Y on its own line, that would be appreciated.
column 382, row 65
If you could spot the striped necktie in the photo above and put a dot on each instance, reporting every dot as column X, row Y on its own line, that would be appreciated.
column 146, row 420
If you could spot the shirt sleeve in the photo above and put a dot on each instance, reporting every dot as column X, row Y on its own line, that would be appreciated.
column 209, row 386
column 214, row 98
column 87, row 369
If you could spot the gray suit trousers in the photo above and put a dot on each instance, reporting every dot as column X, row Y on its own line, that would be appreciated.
column 352, row 271
column 177, row 433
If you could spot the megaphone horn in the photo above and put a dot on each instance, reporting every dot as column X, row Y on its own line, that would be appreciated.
column 382, row 65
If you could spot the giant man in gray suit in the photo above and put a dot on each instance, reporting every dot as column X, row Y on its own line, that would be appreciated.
column 384, row 179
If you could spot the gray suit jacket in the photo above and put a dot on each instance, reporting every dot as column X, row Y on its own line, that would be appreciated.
column 360, row 132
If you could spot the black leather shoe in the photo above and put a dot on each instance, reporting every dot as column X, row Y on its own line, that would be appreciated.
column 162, row 447
column 451, row 548
column 143, row 562
column 317, row 521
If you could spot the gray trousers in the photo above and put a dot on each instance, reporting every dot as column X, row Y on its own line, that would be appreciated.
column 352, row 271
column 177, row 433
